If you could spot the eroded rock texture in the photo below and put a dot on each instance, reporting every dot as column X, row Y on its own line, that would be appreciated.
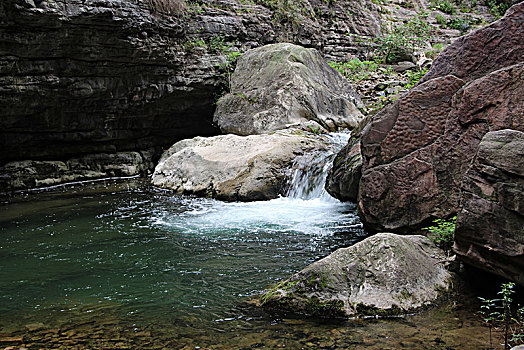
column 385, row 274
column 490, row 224
column 231, row 167
column 279, row 85
column 416, row 151
column 85, row 77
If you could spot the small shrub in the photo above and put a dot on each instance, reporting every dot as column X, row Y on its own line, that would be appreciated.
column 228, row 67
column 414, row 77
column 497, row 8
column 461, row 24
column 435, row 51
column 441, row 20
column 404, row 38
column 499, row 312
column 442, row 233
column 446, row 7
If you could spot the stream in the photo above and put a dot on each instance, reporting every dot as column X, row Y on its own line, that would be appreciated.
column 118, row 264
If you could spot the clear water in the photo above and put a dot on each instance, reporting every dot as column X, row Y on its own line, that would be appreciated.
column 154, row 253
column 121, row 265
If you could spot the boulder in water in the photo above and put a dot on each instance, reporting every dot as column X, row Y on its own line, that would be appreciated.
column 278, row 85
column 385, row 274
column 231, row 167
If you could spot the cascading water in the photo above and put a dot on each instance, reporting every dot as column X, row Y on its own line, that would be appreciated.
column 309, row 172
column 111, row 265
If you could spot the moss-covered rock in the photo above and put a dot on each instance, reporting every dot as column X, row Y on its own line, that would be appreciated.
column 278, row 85
column 384, row 275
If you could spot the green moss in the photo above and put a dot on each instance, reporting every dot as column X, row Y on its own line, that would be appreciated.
column 326, row 309
column 317, row 281
column 273, row 292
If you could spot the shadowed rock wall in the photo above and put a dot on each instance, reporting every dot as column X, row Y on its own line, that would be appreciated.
column 102, row 76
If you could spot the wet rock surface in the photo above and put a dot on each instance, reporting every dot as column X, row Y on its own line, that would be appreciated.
column 107, row 76
column 385, row 274
column 417, row 150
column 20, row 175
column 344, row 176
column 490, row 224
column 278, row 85
column 232, row 167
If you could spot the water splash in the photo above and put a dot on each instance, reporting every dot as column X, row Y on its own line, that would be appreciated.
column 309, row 172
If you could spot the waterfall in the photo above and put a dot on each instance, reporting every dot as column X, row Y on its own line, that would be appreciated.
column 309, row 172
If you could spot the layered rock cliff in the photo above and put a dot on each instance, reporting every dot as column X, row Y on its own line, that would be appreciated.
column 82, row 77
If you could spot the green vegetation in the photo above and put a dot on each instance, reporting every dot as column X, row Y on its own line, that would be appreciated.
column 460, row 23
column 499, row 313
column 441, row 20
column 446, row 7
column 442, row 233
column 292, row 11
column 402, row 39
column 218, row 45
column 414, row 77
column 228, row 67
column 497, row 8
column 283, row 285
column 435, row 50
column 355, row 70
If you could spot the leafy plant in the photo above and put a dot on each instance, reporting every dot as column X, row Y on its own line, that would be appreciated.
column 461, row 24
column 414, row 77
column 497, row 8
column 441, row 20
column 490, row 314
column 498, row 311
column 435, row 50
column 228, row 66
column 355, row 69
column 446, row 7
column 442, row 233
column 403, row 38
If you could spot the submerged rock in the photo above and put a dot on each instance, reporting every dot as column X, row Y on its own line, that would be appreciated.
column 385, row 274
column 232, row 167
column 278, row 85
column 490, row 224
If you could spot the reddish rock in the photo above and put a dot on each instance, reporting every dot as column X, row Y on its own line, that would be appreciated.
column 343, row 178
column 490, row 224
column 416, row 152
column 483, row 51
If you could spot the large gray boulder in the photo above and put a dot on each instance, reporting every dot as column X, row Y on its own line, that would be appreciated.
column 231, row 167
column 385, row 274
column 278, row 85
column 490, row 225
